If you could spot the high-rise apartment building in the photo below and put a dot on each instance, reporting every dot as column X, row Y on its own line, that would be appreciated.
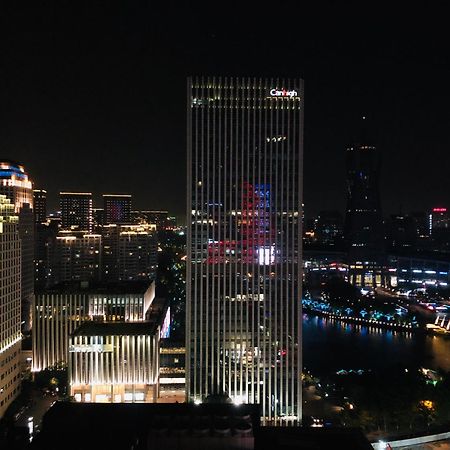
column 74, row 256
column 116, row 208
column 129, row 252
column 243, row 323
column 363, row 222
column 10, row 315
column 40, row 205
column 16, row 185
column 76, row 210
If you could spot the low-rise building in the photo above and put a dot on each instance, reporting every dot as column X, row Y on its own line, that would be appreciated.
column 58, row 311
column 114, row 362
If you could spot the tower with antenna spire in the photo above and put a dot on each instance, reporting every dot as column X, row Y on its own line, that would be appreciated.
column 364, row 223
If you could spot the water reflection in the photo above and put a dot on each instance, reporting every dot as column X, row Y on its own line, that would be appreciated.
column 330, row 345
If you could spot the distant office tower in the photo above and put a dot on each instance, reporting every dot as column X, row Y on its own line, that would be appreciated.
column 40, row 205
column 328, row 228
column 439, row 226
column 76, row 210
column 74, row 256
column 401, row 232
column 243, row 323
column 116, row 208
column 10, row 335
column 15, row 184
column 364, row 223
column 439, row 219
column 129, row 252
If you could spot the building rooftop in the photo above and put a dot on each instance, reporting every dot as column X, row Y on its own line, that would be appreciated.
column 92, row 328
column 121, row 287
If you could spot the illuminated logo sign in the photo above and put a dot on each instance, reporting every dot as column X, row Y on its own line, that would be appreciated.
column 283, row 93
column 439, row 209
column 95, row 348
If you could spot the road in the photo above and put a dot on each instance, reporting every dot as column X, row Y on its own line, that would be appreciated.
column 39, row 405
column 439, row 445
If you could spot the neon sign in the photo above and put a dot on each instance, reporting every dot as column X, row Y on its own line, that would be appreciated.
column 439, row 209
column 283, row 93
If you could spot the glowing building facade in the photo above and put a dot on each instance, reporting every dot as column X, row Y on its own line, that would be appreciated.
column 243, row 324
column 10, row 334
column 114, row 362
column 16, row 185
column 363, row 222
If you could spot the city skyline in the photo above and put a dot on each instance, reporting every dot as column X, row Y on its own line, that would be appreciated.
column 225, row 224
column 103, row 105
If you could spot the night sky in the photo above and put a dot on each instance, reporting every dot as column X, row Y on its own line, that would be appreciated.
column 93, row 98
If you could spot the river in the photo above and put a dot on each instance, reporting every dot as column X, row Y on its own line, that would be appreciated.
column 330, row 345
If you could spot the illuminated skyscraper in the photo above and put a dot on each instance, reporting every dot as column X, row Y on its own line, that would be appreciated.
column 76, row 210
column 10, row 335
column 117, row 208
column 15, row 184
column 364, row 222
column 243, row 324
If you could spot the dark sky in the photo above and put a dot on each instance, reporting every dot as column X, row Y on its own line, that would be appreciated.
column 93, row 97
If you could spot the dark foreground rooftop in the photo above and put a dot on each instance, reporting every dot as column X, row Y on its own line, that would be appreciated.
column 179, row 426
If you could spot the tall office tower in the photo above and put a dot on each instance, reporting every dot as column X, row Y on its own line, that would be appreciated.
column 364, row 222
column 243, row 318
column 10, row 335
column 76, row 210
column 15, row 184
column 40, row 205
column 117, row 208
